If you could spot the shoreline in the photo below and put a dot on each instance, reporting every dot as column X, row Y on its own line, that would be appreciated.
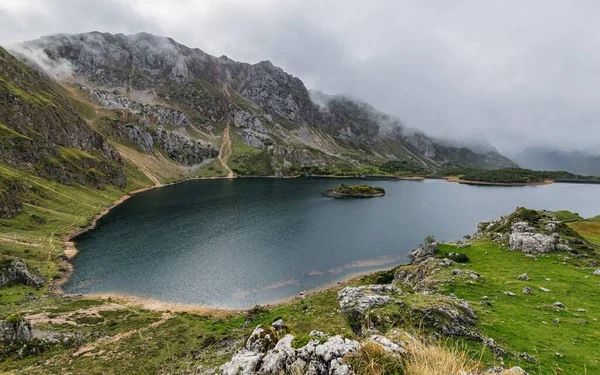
column 70, row 250
column 160, row 305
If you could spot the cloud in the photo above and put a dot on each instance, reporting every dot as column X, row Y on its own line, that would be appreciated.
column 519, row 73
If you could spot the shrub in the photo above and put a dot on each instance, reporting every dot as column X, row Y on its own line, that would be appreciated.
column 429, row 239
column 459, row 257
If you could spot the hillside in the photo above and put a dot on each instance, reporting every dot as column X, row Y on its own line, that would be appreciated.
column 163, row 96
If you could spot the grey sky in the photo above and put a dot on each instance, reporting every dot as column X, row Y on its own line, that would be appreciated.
column 521, row 73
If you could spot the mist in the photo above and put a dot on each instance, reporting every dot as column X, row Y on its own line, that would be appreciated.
column 519, row 75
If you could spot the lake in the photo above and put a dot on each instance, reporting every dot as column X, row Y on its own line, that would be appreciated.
column 238, row 243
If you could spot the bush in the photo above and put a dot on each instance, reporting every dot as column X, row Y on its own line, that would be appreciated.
column 459, row 257
column 429, row 239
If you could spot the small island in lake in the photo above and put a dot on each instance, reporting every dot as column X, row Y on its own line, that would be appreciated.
column 359, row 191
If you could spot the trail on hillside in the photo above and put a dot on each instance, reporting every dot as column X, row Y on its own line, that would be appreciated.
column 225, row 151
column 149, row 175
column 85, row 350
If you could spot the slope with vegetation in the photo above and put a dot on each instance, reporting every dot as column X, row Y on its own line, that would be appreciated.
column 514, row 175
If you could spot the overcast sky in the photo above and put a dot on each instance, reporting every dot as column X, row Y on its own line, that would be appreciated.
column 521, row 73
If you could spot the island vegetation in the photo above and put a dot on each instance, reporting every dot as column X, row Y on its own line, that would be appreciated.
column 359, row 191
column 514, row 175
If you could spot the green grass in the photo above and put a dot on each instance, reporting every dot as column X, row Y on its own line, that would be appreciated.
column 73, row 153
column 5, row 131
column 517, row 322
column 565, row 215
column 590, row 230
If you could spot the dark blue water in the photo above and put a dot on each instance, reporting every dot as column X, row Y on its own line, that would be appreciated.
column 237, row 243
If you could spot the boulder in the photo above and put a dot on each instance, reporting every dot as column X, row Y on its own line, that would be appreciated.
column 363, row 298
column 596, row 272
column 527, row 290
column 523, row 277
column 524, row 238
column 315, row 358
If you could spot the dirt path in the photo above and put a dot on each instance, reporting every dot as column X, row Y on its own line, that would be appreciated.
column 85, row 350
column 149, row 175
column 18, row 242
column 225, row 150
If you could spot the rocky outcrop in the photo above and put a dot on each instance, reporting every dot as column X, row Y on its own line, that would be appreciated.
column 525, row 238
column 12, row 195
column 364, row 298
column 184, row 149
column 15, row 330
column 16, row 272
column 268, row 350
column 158, row 115
column 251, row 129
column 423, row 276
column 426, row 251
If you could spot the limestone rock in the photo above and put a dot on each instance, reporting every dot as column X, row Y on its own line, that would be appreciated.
column 527, row 290
column 15, row 330
column 363, row 298
column 16, row 271
column 524, row 238
column 426, row 251
column 523, row 277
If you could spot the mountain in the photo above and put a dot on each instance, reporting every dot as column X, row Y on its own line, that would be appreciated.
column 161, row 102
column 556, row 160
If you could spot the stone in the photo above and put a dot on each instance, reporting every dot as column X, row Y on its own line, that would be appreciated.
column 544, row 289
column 318, row 334
column 243, row 362
column 387, row 344
column 426, row 251
column 559, row 305
column 363, row 298
column 527, row 290
column 15, row 329
column 276, row 359
column 523, row 277
column 17, row 272
column 596, row 272
column 524, row 238
column 511, row 294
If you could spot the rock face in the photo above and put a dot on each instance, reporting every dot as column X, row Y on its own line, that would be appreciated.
column 269, row 350
column 524, row 238
column 16, row 271
column 426, row 251
column 15, row 330
column 158, row 115
column 184, row 149
column 364, row 298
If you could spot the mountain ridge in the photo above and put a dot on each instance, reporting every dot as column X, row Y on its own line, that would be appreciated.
column 272, row 111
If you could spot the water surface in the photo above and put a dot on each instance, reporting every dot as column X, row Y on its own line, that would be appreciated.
column 237, row 243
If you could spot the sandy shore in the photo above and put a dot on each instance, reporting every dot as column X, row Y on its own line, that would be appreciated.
column 158, row 305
